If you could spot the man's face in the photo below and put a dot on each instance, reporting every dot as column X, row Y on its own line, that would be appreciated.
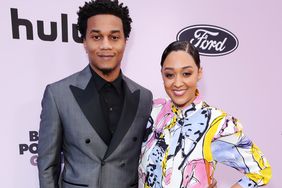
column 105, row 43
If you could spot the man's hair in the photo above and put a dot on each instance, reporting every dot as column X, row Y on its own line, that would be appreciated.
column 95, row 7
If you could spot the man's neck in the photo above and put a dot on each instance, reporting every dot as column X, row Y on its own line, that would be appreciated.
column 109, row 76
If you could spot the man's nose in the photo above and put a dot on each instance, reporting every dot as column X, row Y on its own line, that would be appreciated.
column 106, row 44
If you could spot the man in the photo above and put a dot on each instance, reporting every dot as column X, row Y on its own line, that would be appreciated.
column 96, row 117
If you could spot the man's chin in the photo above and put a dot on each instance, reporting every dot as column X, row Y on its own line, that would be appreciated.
column 106, row 71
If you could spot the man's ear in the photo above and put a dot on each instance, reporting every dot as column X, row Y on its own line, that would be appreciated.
column 85, row 46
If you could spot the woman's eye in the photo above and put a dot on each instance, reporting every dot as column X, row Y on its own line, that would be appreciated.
column 168, row 75
column 115, row 37
column 186, row 74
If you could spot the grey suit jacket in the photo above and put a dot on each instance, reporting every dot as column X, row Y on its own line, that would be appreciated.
column 71, row 121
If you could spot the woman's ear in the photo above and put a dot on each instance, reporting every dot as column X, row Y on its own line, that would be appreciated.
column 200, row 73
column 161, row 72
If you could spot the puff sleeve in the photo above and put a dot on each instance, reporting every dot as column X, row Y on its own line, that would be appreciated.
column 231, row 147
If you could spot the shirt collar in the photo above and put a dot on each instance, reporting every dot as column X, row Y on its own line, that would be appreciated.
column 100, row 82
column 189, row 110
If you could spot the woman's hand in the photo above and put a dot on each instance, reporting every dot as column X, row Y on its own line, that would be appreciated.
column 214, row 184
column 236, row 186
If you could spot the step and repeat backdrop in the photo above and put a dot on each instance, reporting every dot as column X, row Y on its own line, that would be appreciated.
column 240, row 45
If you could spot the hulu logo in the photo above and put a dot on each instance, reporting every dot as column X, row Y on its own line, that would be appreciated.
column 56, row 29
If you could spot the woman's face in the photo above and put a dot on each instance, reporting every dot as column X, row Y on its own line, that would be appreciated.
column 180, row 75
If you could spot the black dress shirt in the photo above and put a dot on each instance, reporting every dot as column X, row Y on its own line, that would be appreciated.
column 111, row 96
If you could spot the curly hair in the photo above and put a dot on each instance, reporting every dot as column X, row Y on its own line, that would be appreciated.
column 95, row 7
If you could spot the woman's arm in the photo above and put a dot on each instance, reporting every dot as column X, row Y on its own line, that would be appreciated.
column 231, row 147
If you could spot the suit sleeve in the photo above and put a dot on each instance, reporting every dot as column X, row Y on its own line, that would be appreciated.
column 50, row 142
column 231, row 147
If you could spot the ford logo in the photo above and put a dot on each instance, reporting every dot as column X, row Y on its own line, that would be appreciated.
column 210, row 40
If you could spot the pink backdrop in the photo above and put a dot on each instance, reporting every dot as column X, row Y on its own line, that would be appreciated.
column 246, row 83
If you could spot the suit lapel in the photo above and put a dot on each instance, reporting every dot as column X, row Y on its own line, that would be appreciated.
column 88, row 100
column 86, row 95
column 128, row 114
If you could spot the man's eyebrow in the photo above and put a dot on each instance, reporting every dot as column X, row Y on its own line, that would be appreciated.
column 98, row 31
column 94, row 31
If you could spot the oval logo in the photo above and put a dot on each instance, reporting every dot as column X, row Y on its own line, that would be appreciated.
column 210, row 40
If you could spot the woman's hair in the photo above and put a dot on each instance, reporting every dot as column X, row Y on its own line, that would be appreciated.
column 95, row 7
column 181, row 46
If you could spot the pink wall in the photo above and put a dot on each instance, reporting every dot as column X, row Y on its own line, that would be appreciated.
column 245, row 83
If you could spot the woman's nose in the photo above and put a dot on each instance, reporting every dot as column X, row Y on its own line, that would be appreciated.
column 178, row 82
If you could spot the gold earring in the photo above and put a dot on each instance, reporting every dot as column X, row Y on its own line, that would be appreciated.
column 197, row 93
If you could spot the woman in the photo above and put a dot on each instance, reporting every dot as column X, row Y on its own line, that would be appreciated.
column 186, row 137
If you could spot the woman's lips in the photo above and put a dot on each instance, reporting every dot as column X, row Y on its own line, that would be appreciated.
column 179, row 92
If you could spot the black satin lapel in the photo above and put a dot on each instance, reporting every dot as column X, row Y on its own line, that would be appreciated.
column 89, row 103
column 128, row 114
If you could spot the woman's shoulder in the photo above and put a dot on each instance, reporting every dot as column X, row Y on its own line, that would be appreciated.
column 228, row 124
column 213, row 109
column 161, row 103
column 161, row 108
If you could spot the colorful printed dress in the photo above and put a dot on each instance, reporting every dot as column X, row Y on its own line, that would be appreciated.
column 182, row 147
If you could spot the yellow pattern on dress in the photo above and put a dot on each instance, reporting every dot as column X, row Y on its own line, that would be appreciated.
column 263, row 175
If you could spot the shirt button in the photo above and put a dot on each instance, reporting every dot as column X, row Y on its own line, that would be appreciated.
column 111, row 109
column 87, row 141
column 122, row 164
column 103, row 163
